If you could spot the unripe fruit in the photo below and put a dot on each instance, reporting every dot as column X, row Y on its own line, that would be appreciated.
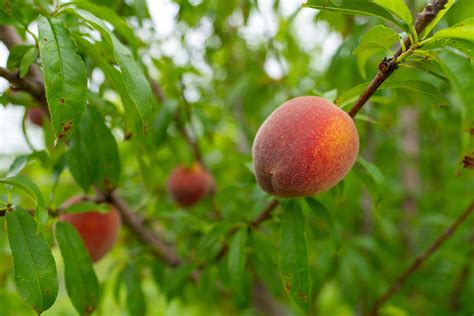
column 98, row 230
column 306, row 146
column 188, row 185
column 36, row 116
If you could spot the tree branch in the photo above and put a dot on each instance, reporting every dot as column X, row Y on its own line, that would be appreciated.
column 157, row 90
column 27, row 84
column 388, row 66
column 10, row 38
column 420, row 260
column 461, row 280
column 265, row 214
column 135, row 223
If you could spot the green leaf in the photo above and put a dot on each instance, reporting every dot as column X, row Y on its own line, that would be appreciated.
column 466, row 47
column 109, row 15
column 35, row 270
column 435, row 21
column 398, row 8
column 463, row 31
column 17, row 165
column 366, row 118
column 236, row 265
column 6, row 19
column 28, row 59
column 175, row 279
column 81, row 282
column 141, row 10
column 112, row 74
column 65, row 77
column 135, row 298
column 354, row 7
column 21, row 161
column 378, row 38
column 426, row 88
column 351, row 95
column 25, row 184
column 133, row 77
column 419, row 86
column 92, row 155
column 163, row 120
column 87, row 206
column 460, row 78
column 211, row 242
column 293, row 255
column 372, row 177
column 16, row 55
column 320, row 210
column 426, row 66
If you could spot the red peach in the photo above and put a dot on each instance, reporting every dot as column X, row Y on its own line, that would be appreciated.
column 187, row 186
column 98, row 230
column 306, row 146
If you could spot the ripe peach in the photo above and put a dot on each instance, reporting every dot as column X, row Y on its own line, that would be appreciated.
column 36, row 116
column 98, row 230
column 306, row 146
column 187, row 186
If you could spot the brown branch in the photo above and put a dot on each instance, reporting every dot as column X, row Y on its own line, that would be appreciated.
column 191, row 139
column 132, row 220
column 265, row 214
column 135, row 223
column 420, row 260
column 161, row 97
column 388, row 66
column 463, row 276
column 27, row 84
column 157, row 90
column 10, row 38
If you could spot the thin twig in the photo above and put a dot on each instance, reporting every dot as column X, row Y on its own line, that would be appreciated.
column 261, row 217
column 157, row 90
column 191, row 139
column 388, row 66
column 420, row 260
column 265, row 214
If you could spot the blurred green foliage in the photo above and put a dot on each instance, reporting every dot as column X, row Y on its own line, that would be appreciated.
column 238, row 60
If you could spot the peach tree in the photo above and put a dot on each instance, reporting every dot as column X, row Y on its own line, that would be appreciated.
column 237, row 157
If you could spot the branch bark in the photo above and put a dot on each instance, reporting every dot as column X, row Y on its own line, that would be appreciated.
column 395, row 287
column 388, row 66
column 265, row 214
column 33, row 87
column 10, row 38
column 149, row 237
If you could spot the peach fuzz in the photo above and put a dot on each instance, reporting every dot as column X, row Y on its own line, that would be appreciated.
column 306, row 146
